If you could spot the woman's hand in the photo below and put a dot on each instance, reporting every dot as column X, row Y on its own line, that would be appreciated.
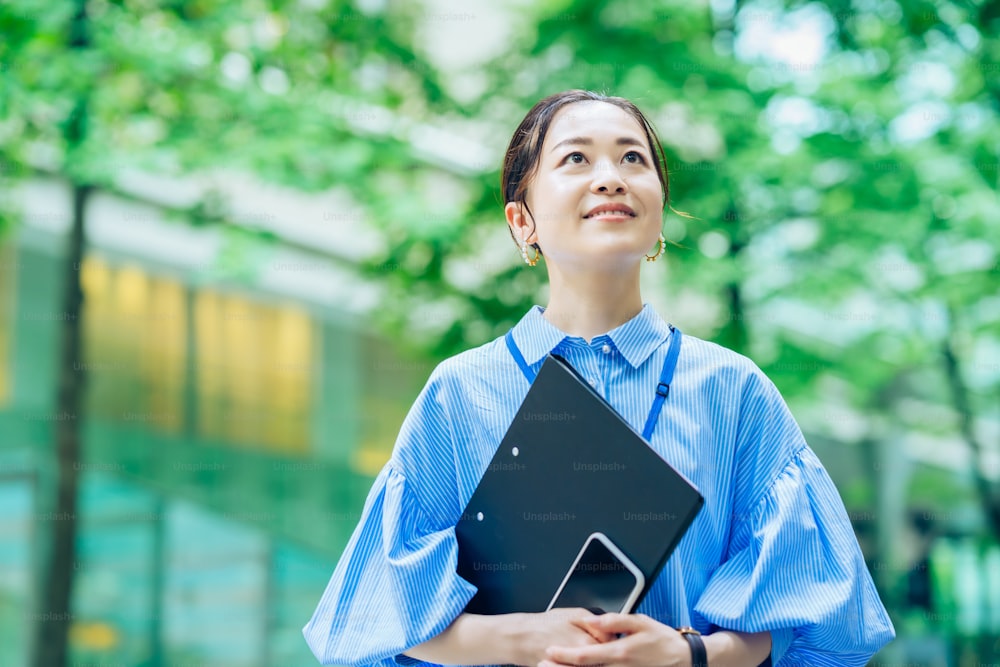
column 646, row 642
column 569, row 628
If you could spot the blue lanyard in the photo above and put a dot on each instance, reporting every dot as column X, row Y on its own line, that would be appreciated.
column 662, row 389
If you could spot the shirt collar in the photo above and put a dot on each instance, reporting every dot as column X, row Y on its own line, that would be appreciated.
column 635, row 339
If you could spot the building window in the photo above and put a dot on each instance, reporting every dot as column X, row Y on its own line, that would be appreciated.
column 247, row 379
column 254, row 367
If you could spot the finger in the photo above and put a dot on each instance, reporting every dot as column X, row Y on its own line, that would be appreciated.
column 552, row 663
column 618, row 623
column 598, row 654
column 598, row 634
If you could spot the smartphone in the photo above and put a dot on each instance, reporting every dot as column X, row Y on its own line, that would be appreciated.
column 601, row 577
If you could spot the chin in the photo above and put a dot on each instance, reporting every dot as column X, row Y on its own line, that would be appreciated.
column 612, row 260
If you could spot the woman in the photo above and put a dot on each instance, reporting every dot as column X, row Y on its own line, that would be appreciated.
column 770, row 568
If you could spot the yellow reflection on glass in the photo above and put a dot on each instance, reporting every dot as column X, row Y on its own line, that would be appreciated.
column 254, row 365
column 94, row 636
column 251, row 364
column 163, row 354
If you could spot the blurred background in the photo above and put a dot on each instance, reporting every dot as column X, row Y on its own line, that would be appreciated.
column 236, row 237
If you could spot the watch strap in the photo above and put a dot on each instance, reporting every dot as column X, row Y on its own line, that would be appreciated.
column 699, row 657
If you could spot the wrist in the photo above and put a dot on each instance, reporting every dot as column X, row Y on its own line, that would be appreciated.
column 511, row 632
column 717, row 648
column 696, row 644
column 728, row 648
column 472, row 639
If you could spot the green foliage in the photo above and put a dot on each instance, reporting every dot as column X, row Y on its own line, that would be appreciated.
column 844, row 213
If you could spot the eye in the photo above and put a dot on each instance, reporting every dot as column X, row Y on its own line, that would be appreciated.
column 575, row 158
column 633, row 157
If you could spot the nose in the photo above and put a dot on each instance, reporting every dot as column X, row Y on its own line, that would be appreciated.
column 607, row 179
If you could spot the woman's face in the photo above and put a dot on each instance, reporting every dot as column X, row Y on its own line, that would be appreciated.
column 595, row 198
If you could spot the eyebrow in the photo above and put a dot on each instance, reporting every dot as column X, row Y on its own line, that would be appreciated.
column 585, row 141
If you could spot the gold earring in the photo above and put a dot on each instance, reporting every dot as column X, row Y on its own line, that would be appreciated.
column 663, row 244
column 524, row 254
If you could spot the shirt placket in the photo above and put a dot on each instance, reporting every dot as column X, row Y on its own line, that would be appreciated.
column 598, row 364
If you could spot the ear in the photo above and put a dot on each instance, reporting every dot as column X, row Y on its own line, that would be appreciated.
column 520, row 222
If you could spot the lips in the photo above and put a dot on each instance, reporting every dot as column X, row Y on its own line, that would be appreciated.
column 610, row 210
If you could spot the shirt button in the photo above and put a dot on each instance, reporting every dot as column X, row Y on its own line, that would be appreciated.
column 593, row 383
column 606, row 348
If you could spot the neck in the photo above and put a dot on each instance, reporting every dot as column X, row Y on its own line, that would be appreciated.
column 589, row 303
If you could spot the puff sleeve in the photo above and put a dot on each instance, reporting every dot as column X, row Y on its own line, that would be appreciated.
column 793, row 564
column 395, row 585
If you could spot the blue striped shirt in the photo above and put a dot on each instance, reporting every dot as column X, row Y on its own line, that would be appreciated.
column 772, row 549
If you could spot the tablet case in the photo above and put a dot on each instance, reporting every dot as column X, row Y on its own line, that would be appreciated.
column 568, row 465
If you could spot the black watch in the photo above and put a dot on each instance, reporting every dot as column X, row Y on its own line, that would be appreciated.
column 699, row 658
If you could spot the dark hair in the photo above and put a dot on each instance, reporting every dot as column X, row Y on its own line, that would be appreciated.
column 521, row 159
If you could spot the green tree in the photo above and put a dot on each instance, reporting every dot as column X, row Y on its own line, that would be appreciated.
column 282, row 91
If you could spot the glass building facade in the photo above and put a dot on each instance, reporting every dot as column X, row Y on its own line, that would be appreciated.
column 228, row 439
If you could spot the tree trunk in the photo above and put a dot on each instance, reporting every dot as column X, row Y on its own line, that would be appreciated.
column 735, row 330
column 962, row 405
column 54, row 620
column 55, row 609
column 157, row 578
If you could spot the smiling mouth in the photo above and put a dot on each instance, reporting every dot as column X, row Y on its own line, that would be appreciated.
column 610, row 212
